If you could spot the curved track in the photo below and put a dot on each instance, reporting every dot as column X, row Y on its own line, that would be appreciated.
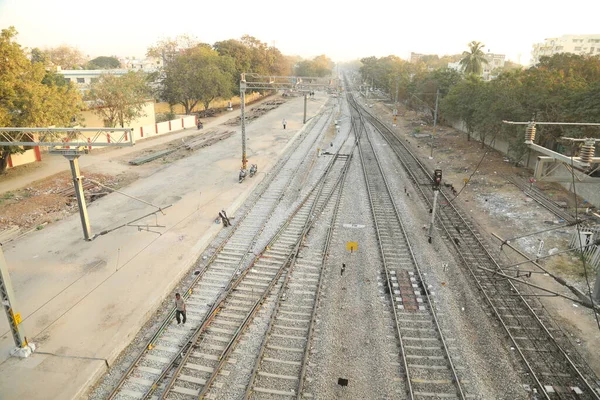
column 555, row 368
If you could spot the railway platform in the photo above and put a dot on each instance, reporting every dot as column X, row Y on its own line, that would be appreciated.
column 82, row 302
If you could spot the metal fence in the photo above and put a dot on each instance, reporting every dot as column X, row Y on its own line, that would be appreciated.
column 591, row 251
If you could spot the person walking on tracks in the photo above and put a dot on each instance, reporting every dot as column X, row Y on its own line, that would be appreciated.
column 284, row 123
column 179, row 308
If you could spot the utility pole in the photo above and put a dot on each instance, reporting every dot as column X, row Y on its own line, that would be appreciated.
column 396, row 100
column 7, row 296
column 597, row 287
column 243, row 119
column 435, row 114
column 305, row 97
column 78, row 184
column 437, row 180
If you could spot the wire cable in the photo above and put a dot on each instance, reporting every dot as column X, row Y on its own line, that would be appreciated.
column 477, row 167
column 582, row 255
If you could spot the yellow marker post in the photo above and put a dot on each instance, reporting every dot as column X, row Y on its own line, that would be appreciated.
column 352, row 246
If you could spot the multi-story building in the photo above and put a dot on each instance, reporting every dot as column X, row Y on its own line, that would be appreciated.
column 494, row 61
column 415, row 57
column 148, row 64
column 576, row 44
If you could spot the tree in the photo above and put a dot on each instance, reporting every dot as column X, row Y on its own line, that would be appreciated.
column 51, row 78
column 319, row 66
column 461, row 103
column 103, row 62
column 198, row 75
column 26, row 100
column 118, row 99
column 65, row 57
column 473, row 60
column 167, row 49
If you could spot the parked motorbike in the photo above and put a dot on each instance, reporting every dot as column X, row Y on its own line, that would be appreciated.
column 253, row 170
column 242, row 175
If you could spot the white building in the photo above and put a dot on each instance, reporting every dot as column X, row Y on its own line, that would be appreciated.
column 148, row 64
column 494, row 61
column 576, row 44
column 82, row 78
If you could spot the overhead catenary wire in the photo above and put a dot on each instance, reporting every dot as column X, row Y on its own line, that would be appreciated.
column 476, row 168
column 98, row 285
column 125, row 194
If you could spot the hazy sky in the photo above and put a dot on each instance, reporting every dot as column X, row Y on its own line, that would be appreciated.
column 341, row 30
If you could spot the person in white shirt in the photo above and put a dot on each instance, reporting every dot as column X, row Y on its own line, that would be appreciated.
column 179, row 308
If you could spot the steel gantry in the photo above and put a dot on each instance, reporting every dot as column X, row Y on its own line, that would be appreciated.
column 586, row 162
column 71, row 143
column 253, row 81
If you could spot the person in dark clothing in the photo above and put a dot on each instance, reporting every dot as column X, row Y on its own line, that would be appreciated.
column 224, row 218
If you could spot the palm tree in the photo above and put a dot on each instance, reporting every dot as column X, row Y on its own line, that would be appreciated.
column 472, row 62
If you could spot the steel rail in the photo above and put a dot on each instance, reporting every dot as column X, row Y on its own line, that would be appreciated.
column 541, row 199
column 280, row 296
column 467, row 263
column 166, row 322
column 291, row 260
column 196, row 337
column 477, row 278
column 327, row 243
column 225, row 295
column 415, row 266
column 264, row 342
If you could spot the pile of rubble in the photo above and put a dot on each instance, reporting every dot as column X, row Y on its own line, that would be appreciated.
column 48, row 201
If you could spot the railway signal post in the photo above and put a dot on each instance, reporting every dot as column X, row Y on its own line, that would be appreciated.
column 437, row 180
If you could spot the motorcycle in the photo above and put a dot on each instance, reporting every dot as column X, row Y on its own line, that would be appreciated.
column 253, row 170
column 242, row 175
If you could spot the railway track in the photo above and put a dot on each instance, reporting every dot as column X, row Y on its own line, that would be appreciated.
column 428, row 365
column 280, row 367
column 216, row 338
column 541, row 198
column 170, row 341
column 555, row 369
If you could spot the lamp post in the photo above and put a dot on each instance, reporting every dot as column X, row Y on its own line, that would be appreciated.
column 243, row 118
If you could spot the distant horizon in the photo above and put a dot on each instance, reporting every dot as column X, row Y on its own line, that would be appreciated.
column 382, row 29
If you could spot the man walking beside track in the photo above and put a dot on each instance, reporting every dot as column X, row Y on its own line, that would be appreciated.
column 284, row 123
column 179, row 308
